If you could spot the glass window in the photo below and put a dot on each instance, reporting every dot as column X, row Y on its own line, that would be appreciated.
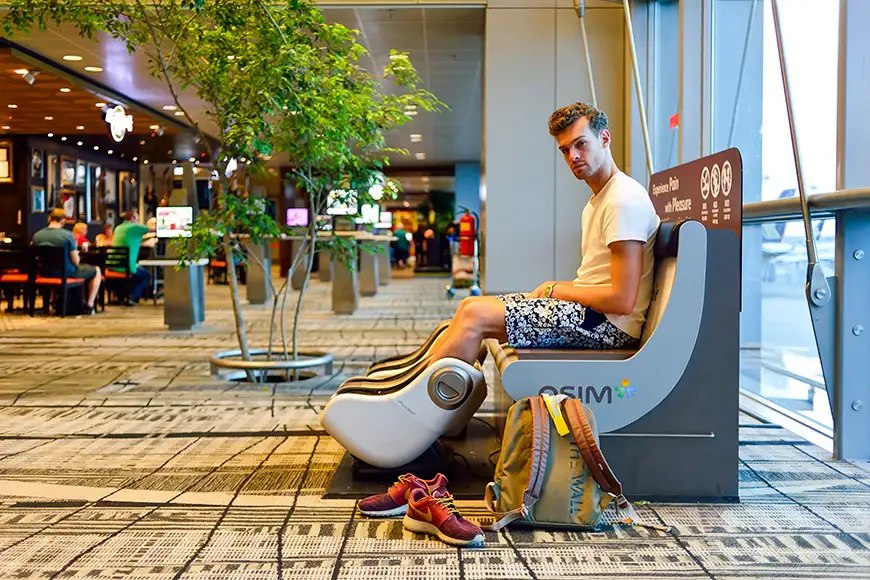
column 665, row 101
column 779, row 357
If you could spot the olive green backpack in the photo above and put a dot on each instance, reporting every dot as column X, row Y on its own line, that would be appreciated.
column 551, row 472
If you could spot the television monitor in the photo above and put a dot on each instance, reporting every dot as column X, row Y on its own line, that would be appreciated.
column 341, row 202
column 369, row 214
column 297, row 217
column 386, row 221
column 172, row 221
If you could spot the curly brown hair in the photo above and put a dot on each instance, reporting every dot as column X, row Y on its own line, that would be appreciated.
column 567, row 116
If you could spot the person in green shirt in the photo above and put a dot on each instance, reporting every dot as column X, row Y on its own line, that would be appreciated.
column 129, row 235
column 401, row 246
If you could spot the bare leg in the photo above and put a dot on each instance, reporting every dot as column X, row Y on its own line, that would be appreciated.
column 477, row 318
column 93, row 288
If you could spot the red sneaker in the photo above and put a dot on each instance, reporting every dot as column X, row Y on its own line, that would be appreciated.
column 436, row 515
column 394, row 502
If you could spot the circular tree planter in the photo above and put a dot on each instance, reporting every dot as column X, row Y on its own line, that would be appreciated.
column 230, row 360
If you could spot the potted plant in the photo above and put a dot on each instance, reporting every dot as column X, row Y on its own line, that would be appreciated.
column 274, row 80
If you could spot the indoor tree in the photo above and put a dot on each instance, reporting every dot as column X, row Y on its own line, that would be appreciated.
column 275, row 78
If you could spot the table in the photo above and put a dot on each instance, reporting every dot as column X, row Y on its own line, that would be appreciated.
column 183, row 292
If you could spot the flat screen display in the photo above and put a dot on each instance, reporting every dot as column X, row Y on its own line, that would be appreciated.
column 386, row 221
column 370, row 214
column 297, row 217
column 172, row 221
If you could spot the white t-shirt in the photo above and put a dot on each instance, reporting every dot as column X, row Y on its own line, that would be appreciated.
column 621, row 211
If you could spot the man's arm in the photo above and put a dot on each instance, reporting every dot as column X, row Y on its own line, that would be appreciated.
column 620, row 297
column 73, row 251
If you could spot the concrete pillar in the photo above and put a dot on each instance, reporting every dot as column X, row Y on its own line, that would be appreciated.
column 532, row 204
column 325, row 266
column 368, row 273
column 385, row 268
column 298, row 278
column 345, row 290
column 259, row 278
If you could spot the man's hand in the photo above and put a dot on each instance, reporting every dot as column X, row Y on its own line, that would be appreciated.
column 539, row 291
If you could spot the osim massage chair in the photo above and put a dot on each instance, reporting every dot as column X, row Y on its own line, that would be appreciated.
column 394, row 414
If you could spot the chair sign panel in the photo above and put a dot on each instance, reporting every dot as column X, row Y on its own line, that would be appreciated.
column 709, row 190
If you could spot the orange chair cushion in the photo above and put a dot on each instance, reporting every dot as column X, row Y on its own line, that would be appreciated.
column 14, row 278
column 58, row 281
column 217, row 264
column 115, row 275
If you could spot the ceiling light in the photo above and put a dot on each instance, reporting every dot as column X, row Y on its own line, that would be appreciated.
column 141, row 142
column 51, row 135
column 197, row 162
column 96, row 147
column 425, row 179
column 406, row 204
column 5, row 127
column 49, row 118
column 101, row 105
column 192, row 159
column 416, row 137
column 154, row 127
column 21, row 71
column 179, row 113
column 93, row 69
column 411, row 113
column 410, row 107
column 135, row 159
column 63, row 138
column 64, row 90
column 80, row 128
column 72, row 57
column 145, row 162
column 420, row 156
column 12, row 106
column 110, row 151
column 169, row 107
column 79, row 143
column 174, row 162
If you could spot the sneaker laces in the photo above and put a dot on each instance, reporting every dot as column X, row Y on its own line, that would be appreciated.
column 446, row 501
column 406, row 479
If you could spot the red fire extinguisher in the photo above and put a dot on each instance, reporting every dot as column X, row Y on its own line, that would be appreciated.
column 467, row 233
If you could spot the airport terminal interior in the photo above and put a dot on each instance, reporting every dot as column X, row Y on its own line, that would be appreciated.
column 241, row 241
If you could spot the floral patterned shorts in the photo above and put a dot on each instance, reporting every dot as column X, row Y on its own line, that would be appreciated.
column 551, row 323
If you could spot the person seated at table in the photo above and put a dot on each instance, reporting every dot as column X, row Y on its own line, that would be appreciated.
column 149, row 240
column 129, row 235
column 56, row 236
column 80, row 234
column 104, row 238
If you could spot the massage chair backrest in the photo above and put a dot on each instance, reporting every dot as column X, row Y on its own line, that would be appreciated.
column 666, row 255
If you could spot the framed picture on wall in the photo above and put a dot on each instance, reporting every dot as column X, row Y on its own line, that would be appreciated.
column 67, row 172
column 37, row 193
column 81, row 173
column 37, row 170
column 5, row 162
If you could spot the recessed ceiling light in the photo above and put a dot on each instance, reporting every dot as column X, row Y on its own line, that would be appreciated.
column 51, row 135
column 12, row 106
column 411, row 113
column 49, row 118
column 96, row 147
column 80, row 128
column 179, row 113
column 192, row 159
column 79, row 143
column 63, row 138
column 416, row 137
column 154, row 127
column 64, row 90
column 21, row 71
column 169, row 107
column 420, row 156
column 141, row 142
column 100, row 105
column 5, row 127
column 72, row 57
column 145, row 162
column 174, row 162
column 135, row 159
column 93, row 69
column 110, row 151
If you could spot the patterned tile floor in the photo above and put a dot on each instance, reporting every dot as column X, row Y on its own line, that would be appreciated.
column 120, row 457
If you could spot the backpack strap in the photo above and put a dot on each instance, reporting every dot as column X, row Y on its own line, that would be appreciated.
column 540, row 450
column 581, row 430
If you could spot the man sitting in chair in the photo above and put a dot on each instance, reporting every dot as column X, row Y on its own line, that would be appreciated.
column 605, row 306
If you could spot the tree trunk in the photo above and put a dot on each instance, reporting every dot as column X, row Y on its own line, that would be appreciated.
column 241, row 332
column 311, row 248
